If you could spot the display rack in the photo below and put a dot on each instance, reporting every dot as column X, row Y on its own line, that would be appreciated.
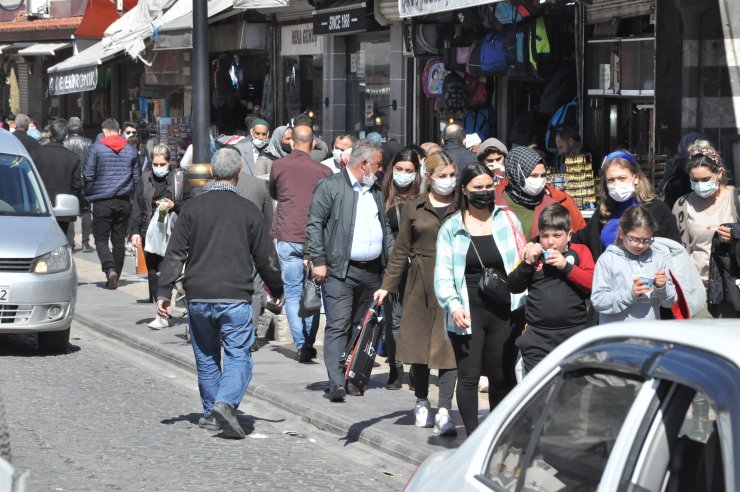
column 577, row 180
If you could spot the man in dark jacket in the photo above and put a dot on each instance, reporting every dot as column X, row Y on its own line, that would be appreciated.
column 110, row 174
column 453, row 138
column 81, row 146
column 22, row 123
column 60, row 169
column 348, row 241
column 221, row 238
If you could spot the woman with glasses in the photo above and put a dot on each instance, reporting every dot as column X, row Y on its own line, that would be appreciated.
column 623, row 185
column 526, row 192
column 631, row 280
column 711, row 208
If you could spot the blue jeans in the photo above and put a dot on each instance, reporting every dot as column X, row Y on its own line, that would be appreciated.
column 230, row 324
column 291, row 264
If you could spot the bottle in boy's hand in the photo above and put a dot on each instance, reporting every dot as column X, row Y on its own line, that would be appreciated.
column 554, row 258
column 640, row 286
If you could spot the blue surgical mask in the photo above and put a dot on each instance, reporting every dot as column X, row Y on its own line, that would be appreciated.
column 705, row 189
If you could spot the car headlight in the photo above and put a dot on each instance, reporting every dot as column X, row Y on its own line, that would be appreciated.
column 55, row 261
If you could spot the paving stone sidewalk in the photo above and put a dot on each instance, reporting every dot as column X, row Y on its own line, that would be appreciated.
column 381, row 418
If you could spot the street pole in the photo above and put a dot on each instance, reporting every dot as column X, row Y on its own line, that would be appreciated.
column 201, row 107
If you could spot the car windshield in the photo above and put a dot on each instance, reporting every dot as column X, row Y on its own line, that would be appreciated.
column 20, row 189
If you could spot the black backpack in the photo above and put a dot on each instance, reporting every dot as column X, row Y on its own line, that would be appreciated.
column 560, row 89
column 453, row 92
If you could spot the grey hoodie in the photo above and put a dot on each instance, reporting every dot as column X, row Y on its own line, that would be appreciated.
column 612, row 295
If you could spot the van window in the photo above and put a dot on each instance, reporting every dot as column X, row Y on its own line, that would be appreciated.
column 20, row 189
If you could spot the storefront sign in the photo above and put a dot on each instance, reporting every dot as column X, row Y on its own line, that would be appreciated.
column 411, row 8
column 346, row 20
column 300, row 40
column 68, row 82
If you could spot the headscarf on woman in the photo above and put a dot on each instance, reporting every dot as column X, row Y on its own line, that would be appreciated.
column 274, row 148
column 520, row 163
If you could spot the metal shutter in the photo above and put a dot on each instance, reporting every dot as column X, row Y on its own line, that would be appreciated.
column 606, row 10
column 298, row 10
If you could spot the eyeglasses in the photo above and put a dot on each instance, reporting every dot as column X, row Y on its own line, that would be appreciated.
column 129, row 133
column 640, row 242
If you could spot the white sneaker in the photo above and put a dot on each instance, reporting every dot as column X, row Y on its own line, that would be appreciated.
column 483, row 385
column 423, row 415
column 159, row 323
column 443, row 424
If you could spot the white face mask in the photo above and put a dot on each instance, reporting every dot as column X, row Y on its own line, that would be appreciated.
column 403, row 179
column 621, row 193
column 259, row 143
column 160, row 171
column 337, row 154
column 705, row 189
column 444, row 186
column 534, row 186
column 369, row 179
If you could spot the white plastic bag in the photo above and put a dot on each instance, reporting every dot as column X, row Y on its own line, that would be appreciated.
column 157, row 235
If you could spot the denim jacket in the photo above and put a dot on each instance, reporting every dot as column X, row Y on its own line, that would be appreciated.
column 453, row 242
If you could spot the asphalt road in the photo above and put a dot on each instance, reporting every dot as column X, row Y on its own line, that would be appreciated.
column 107, row 417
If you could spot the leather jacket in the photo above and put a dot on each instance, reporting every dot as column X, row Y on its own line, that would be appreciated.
column 79, row 145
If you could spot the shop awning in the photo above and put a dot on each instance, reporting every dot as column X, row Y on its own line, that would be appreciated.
column 413, row 8
column 4, row 47
column 176, row 32
column 43, row 49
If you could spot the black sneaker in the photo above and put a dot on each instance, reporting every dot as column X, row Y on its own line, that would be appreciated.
column 395, row 378
column 313, row 352
column 337, row 393
column 303, row 355
column 226, row 417
column 209, row 423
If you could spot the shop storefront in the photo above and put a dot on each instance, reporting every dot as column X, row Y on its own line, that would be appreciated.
column 302, row 72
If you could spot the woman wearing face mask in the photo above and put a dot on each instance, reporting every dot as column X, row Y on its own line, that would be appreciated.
column 623, row 185
column 526, row 192
column 161, row 190
column 711, row 207
column 422, row 341
column 278, row 147
column 481, row 328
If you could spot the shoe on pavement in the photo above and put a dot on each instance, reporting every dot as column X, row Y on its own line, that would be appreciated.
column 159, row 323
column 443, row 424
column 86, row 248
column 352, row 391
column 483, row 385
column 423, row 414
column 209, row 423
column 112, row 280
column 395, row 378
column 303, row 355
column 312, row 352
column 337, row 393
column 227, row 421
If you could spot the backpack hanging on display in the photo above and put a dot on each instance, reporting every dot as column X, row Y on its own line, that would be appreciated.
column 516, row 49
column 453, row 92
column 565, row 116
column 492, row 54
column 559, row 89
column 476, row 92
column 508, row 13
column 544, row 47
column 432, row 78
column 473, row 66
column 479, row 121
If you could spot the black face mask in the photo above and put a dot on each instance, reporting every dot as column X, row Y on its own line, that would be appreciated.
column 286, row 148
column 481, row 199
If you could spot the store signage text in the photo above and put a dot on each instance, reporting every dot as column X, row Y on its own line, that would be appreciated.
column 68, row 82
column 411, row 8
column 350, row 20
column 300, row 40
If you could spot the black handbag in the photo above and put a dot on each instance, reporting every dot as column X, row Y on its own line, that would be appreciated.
column 492, row 283
column 310, row 297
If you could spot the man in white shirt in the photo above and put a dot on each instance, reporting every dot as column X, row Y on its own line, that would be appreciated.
column 339, row 155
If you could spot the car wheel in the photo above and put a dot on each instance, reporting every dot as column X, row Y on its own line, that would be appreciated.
column 54, row 341
column 4, row 435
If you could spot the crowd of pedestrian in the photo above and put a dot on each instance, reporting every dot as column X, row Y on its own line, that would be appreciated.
column 475, row 259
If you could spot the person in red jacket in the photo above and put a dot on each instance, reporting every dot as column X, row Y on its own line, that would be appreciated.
column 525, row 191
column 559, row 277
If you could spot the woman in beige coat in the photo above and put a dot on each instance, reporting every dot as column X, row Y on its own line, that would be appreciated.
column 422, row 342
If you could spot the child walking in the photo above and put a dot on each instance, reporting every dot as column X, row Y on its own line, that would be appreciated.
column 559, row 276
column 631, row 280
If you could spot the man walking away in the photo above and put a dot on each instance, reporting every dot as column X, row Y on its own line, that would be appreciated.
column 110, row 174
column 348, row 208
column 22, row 123
column 220, row 237
column 81, row 146
column 454, row 138
column 60, row 169
column 292, row 182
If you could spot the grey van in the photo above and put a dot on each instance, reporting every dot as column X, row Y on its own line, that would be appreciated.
column 38, row 278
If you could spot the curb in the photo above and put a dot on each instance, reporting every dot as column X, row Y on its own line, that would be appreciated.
column 337, row 424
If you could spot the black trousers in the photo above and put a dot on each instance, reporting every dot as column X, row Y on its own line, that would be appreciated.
column 446, row 380
column 152, row 267
column 110, row 224
column 347, row 301
column 489, row 348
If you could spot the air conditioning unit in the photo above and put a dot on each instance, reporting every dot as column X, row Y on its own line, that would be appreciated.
column 38, row 9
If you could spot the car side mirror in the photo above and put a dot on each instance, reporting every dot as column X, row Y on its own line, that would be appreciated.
column 66, row 206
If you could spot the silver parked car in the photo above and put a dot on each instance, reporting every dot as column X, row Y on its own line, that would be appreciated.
column 38, row 279
column 639, row 406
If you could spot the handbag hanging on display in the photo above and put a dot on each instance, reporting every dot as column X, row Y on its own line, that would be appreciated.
column 492, row 283
column 310, row 297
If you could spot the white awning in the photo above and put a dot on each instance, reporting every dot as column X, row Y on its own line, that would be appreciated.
column 4, row 47
column 42, row 49
column 413, row 8
column 172, row 23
